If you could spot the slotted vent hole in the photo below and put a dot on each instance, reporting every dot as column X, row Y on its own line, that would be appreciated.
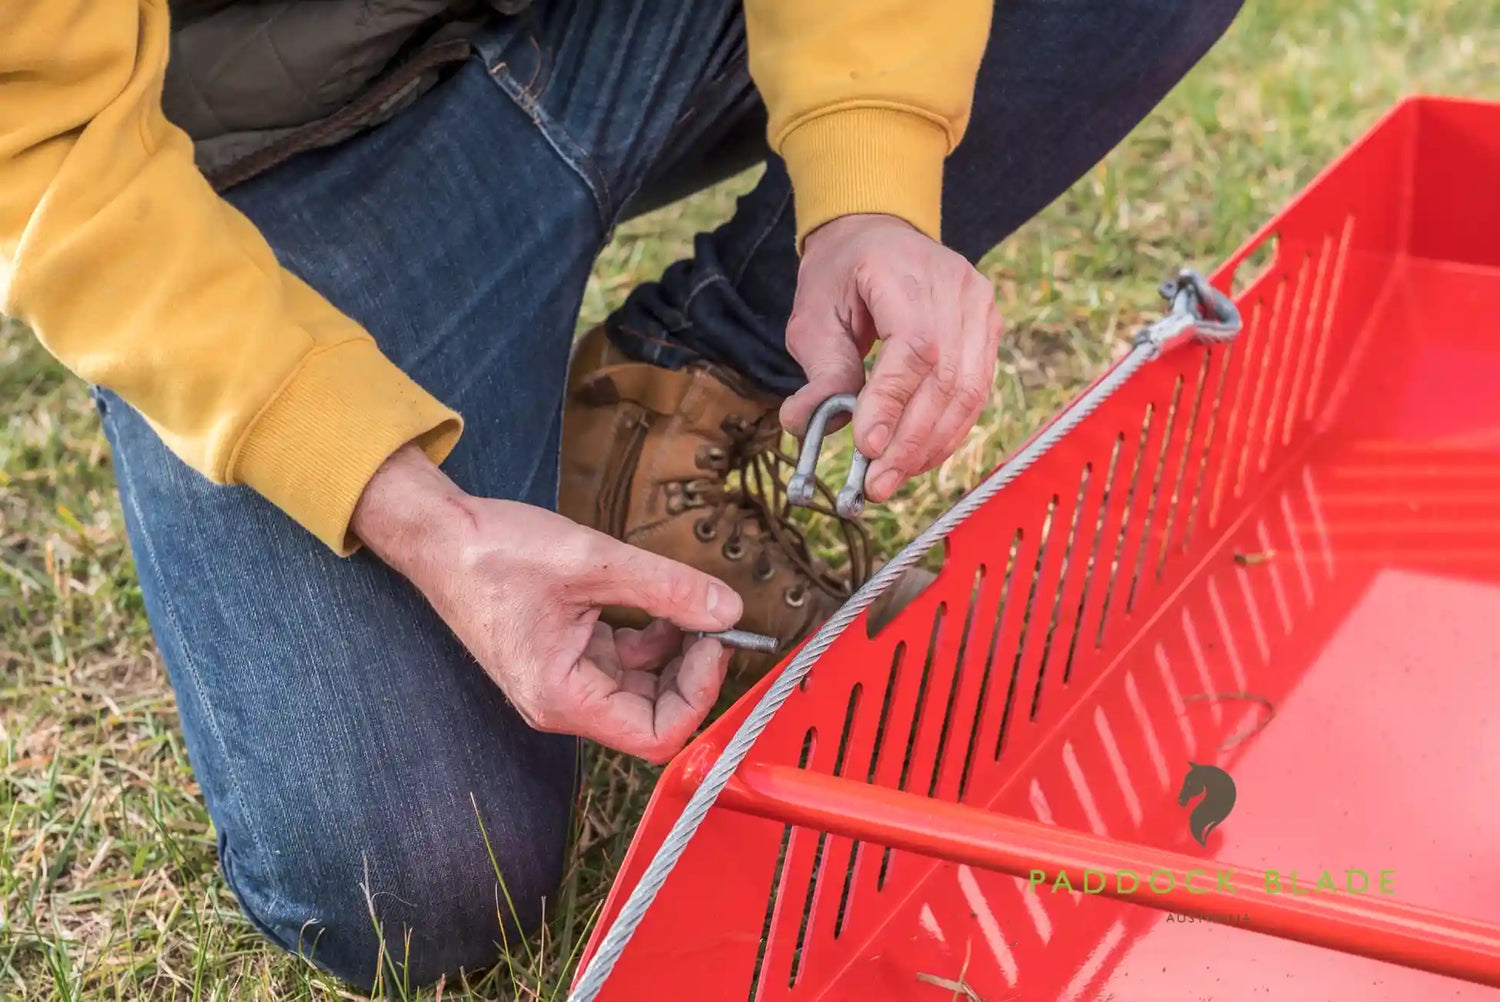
column 1062, row 585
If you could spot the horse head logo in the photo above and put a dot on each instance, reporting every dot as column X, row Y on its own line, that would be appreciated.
column 1218, row 798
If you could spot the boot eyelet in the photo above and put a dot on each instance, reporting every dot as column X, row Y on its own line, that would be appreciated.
column 737, row 427
column 704, row 530
column 734, row 549
column 765, row 573
column 795, row 596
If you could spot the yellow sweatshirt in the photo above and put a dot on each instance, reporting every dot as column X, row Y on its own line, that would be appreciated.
column 129, row 268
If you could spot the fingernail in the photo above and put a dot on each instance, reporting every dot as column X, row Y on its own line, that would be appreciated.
column 879, row 437
column 887, row 482
column 723, row 604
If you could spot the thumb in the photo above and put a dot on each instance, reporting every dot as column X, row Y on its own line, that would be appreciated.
column 623, row 575
column 833, row 364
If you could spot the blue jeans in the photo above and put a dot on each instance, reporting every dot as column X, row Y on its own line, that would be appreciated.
column 344, row 741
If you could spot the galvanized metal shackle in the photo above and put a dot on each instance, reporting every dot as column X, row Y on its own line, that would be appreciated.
column 802, row 487
column 1221, row 320
column 1199, row 312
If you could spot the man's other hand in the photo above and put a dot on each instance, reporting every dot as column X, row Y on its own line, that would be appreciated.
column 522, row 589
column 869, row 277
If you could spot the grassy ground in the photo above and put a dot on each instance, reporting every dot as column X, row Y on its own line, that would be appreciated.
column 108, row 886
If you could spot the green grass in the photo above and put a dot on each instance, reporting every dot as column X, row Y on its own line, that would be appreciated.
column 108, row 887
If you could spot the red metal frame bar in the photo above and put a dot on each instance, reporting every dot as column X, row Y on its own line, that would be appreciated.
column 1367, row 925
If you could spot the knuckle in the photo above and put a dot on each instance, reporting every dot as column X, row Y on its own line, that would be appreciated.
column 949, row 379
column 908, row 449
column 798, row 332
column 679, row 588
column 829, row 369
column 996, row 319
column 536, row 712
column 971, row 396
column 974, row 284
column 922, row 354
column 984, row 299
column 886, row 396
column 980, row 294
column 911, row 287
column 923, row 343
column 868, row 278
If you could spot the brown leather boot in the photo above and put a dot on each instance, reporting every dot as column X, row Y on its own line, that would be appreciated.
column 687, row 463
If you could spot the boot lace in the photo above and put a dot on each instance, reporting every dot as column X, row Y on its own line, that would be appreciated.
column 747, row 488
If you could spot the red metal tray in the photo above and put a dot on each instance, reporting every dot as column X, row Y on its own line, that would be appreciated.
column 1279, row 558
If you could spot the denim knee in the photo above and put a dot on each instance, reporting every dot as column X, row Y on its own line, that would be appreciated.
column 401, row 903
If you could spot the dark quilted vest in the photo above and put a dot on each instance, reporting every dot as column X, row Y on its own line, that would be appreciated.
column 256, row 81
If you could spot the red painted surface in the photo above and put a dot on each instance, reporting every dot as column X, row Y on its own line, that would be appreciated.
column 1310, row 516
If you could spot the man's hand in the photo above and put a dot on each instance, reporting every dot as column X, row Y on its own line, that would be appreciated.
column 522, row 588
column 869, row 277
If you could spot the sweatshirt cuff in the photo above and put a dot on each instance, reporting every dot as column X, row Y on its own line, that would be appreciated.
column 867, row 159
column 336, row 419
